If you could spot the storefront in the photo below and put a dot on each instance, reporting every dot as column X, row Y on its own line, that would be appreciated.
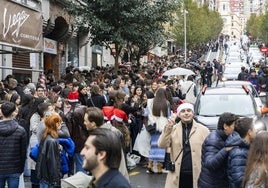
column 21, row 40
column 59, row 30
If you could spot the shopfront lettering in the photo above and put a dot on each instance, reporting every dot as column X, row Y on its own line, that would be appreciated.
column 13, row 24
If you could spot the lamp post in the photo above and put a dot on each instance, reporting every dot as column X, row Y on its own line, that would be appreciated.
column 185, row 36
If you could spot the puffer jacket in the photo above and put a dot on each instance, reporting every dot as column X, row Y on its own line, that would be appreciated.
column 76, row 127
column 48, row 164
column 237, row 159
column 214, row 161
column 13, row 143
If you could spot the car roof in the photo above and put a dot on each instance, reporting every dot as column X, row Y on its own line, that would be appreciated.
column 225, row 90
column 234, row 83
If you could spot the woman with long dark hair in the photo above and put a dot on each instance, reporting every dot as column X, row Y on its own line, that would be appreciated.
column 256, row 173
column 158, row 113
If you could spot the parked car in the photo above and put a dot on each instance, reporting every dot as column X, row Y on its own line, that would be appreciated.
column 212, row 102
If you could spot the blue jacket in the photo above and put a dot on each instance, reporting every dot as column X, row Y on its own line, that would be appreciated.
column 214, row 161
column 68, row 151
column 237, row 159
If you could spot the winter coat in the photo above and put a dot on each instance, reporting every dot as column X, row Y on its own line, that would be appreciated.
column 112, row 178
column 96, row 101
column 35, row 121
column 13, row 143
column 255, row 82
column 214, row 161
column 76, row 127
column 237, row 159
column 48, row 165
column 172, row 137
column 66, row 152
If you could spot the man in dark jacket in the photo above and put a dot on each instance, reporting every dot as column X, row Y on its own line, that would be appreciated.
column 209, row 73
column 13, row 141
column 237, row 159
column 102, row 156
column 215, row 153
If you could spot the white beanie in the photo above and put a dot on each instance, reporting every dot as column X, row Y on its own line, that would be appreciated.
column 185, row 106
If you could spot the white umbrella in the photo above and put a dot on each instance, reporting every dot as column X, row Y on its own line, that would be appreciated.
column 178, row 71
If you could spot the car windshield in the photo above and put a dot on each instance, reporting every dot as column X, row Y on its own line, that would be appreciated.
column 215, row 105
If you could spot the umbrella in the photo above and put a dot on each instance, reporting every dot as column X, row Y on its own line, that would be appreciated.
column 196, row 65
column 178, row 71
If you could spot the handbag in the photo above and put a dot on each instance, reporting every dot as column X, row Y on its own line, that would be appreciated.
column 151, row 128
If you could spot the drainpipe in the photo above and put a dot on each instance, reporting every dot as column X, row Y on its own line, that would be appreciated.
column 3, row 62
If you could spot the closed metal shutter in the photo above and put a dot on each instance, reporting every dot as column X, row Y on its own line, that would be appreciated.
column 21, row 60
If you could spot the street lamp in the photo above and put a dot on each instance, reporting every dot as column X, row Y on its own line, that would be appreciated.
column 185, row 36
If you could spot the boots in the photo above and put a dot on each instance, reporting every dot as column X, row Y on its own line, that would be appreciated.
column 159, row 167
column 150, row 167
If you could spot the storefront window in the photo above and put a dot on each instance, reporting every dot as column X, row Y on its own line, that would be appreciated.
column 73, row 56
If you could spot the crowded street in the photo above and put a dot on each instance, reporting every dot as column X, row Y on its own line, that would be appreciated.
column 133, row 94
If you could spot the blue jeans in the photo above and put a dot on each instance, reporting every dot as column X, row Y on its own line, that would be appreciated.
column 78, row 159
column 44, row 185
column 11, row 179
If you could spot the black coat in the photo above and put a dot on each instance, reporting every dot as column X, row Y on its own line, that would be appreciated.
column 214, row 161
column 97, row 101
column 112, row 179
column 48, row 163
column 13, row 146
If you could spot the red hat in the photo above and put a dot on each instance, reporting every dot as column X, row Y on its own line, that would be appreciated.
column 73, row 96
column 108, row 112
column 120, row 116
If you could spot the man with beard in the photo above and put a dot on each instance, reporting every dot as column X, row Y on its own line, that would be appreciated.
column 102, row 156
column 185, row 139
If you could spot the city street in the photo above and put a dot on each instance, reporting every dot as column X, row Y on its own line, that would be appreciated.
column 138, row 179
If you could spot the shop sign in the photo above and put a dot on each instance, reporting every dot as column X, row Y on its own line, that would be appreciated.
column 20, row 26
column 50, row 46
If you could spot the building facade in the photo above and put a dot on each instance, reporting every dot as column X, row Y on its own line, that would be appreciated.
column 60, row 44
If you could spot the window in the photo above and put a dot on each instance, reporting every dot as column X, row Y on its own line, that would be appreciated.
column 73, row 51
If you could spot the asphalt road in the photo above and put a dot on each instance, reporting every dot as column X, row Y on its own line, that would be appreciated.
column 138, row 179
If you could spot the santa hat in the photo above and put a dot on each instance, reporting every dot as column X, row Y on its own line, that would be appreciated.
column 108, row 112
column 120, row 116
column 184, row 106
column 73, row 96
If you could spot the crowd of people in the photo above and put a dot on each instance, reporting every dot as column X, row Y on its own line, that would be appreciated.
column 88, row 121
